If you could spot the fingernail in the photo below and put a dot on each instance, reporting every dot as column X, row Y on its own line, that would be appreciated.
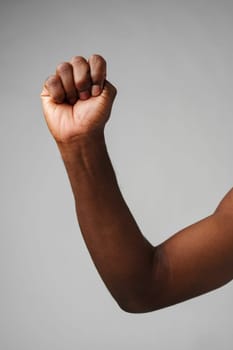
column 84, row 95
column 96, row 90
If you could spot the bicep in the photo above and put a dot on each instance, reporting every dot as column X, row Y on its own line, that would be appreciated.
column 194, row 261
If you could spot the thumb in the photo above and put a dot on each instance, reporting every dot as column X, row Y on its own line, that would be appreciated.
column 110, row 90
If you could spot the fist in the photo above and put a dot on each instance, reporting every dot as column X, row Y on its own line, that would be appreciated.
column 77, row 100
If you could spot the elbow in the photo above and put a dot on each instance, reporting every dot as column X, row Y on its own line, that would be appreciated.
column 133, row 310
column 147, row 293
column 138, row 308
column 130, row 309
column 141, row 305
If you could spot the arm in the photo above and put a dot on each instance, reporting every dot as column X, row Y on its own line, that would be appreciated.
column 140, row 277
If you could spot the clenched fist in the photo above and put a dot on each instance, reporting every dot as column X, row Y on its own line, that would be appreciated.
column 77, row 100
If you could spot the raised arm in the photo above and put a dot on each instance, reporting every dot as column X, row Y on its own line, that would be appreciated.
column 77, row 103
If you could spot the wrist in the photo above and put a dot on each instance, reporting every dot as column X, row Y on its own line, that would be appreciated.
column 81, row 144
column 87, row 162
column 84, row 151
column 86, row 159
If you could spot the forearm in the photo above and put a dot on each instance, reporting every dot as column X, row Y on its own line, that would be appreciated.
column 121, row 254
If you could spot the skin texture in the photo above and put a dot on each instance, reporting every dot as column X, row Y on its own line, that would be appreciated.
column 77, row 102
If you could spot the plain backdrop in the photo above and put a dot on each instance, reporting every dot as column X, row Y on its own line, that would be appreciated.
column 170, row 141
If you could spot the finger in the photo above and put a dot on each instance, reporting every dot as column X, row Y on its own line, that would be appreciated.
column 65, row 72
column 55, row 89
column 98, row 69
column 82, row 79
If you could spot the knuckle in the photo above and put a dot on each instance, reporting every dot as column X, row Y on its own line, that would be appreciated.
column 52, row 81
column 96, row 78
column 63, row 67
column 82, row 85
column 97, row 59
column 78, row 60
column 82, row 81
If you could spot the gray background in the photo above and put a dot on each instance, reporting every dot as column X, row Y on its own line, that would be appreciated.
column 170, row 140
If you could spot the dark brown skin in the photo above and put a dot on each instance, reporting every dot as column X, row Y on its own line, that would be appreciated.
column 77, row 102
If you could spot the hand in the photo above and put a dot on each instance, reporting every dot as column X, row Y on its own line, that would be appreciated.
column 77, row 100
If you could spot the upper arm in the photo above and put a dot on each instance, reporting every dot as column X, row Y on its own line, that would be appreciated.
column 195, row 260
